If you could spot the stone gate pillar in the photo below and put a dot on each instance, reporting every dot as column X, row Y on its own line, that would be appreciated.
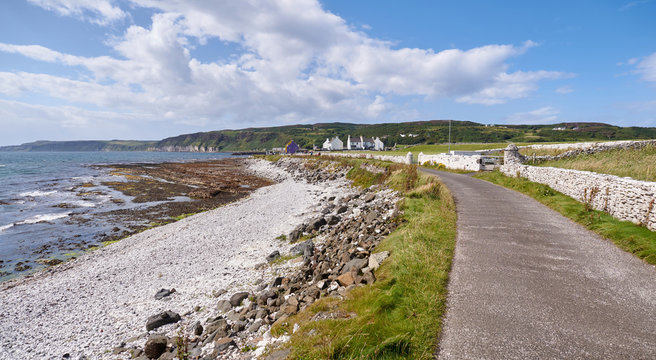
column 511, row 155
column 408, row 158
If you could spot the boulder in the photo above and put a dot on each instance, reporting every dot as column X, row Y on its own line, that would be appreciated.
column 274, row 255
column 223, row 344
column 354, row 265
column 237, row 298
column 317, row 223
column 155, row 346
column 376, row 259
column 163, row 293
column 220, row 326
column 369, row 197
column 198, row 328
column 300, row 249
column 346, row 279
column 342, row 209
column 333, row 219
column 223, row 306
column 161, row 319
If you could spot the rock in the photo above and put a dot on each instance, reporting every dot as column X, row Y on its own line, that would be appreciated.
column 317, row 223
column 155, row 346
column 376, row 259
column 198, row 328
column 342, row 209
column 354, row 265
column 371, row 218
column 163, row 293
column 299, row 249
column 217, row 293
column 266, row 295
column 223, row 306
column 238, row 326
column 346, row 279
column 333, row 219
column 274, row 255
column 161, row 319
column 290, row 307
column 257, row 324
column 237, row 298
column 369, row 197
column 223, row 344
column 220, row 326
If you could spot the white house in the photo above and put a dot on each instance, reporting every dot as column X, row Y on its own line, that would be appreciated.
column 378, row 145
column 334, row 144
column 364, row 143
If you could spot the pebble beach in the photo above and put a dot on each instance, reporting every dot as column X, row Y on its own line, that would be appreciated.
column 86, row 307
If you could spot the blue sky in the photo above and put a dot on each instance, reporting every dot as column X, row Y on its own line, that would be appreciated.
column 145, row 69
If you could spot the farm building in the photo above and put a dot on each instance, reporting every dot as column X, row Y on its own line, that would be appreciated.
column 334, row 144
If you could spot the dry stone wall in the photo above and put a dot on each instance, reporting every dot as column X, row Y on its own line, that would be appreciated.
column 396, row 159
column 452, row 161
column 623, row 198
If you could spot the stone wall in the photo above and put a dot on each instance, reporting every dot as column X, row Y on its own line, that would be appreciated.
column 623, row 198
column 452, row 161
column 396, row 159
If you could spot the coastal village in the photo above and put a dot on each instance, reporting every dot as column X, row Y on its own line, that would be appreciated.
column 334, row 144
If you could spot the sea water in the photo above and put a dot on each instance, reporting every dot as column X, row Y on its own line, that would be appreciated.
column 33, row 187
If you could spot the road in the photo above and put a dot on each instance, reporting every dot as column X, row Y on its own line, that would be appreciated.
column 528, row 283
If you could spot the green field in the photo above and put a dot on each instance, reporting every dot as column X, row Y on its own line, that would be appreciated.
column 639, row 164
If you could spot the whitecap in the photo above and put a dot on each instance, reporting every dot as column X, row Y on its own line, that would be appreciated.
column 43, row 218
column 5, row 227
column 81, row 203
column 37, row 193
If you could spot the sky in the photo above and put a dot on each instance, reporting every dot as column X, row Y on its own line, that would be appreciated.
column 149, row 69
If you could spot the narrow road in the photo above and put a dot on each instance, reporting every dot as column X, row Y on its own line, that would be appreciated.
column 528, row 283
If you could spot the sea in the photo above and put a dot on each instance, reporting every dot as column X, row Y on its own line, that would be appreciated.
column 35, row 227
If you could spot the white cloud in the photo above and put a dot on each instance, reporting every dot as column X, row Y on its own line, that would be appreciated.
column 96, row 11
column 646, row 67
column 290, row 67
column 564, row 90
column 543, row 115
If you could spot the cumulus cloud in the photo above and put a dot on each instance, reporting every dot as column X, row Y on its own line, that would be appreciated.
column 543, row 115
column 296, row 62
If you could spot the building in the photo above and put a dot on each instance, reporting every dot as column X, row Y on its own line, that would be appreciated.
column 291, row 147
column 334, row 144
column 364, row 143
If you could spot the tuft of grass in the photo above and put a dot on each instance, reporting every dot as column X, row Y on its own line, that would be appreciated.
column 281, row 237
column 400, row 315
column 628, row 236
column 182, row 216
column 639, row 163
column 283, row 259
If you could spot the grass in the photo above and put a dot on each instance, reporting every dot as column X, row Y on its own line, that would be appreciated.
column 628, row 236
column 399, row 316
column 283, row 259
column 639, row 164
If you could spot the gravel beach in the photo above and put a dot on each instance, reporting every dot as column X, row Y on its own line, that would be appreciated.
column 88, row 306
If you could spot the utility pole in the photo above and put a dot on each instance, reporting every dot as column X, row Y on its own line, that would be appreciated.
column 449, row 137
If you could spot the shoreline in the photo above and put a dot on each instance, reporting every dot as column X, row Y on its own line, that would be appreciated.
column 73, row 298
column 120, row 200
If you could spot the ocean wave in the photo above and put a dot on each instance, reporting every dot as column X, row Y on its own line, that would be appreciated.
column 43, row 218
column 37, row 193
column 5, row 227
column 82, row 203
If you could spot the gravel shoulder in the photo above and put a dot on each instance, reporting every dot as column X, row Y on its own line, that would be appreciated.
column 90, row 305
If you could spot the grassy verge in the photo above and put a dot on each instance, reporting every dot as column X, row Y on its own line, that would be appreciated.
column 639, row 164
column 630, row 237
column 399, row 316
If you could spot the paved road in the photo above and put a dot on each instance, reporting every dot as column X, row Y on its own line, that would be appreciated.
column 527, row 283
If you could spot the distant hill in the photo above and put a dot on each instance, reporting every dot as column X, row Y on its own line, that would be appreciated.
column 89, row 145
column 427, row 132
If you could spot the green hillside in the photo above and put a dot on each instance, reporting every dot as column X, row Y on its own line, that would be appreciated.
column 427, row 132
column 424, row 132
